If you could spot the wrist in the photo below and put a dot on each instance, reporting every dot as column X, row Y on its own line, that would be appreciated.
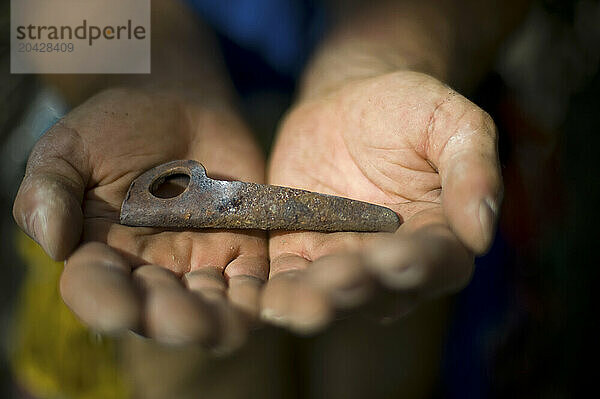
column 353, row 60
column 385, row 38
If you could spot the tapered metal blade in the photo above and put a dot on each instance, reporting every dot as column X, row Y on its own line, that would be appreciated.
column 210, row 203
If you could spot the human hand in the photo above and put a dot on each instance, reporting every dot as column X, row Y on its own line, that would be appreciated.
column 403, row 140
column 174, row 286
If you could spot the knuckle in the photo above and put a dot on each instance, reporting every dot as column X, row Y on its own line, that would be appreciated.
column 474, row 132
column 61, row 140
column 485, row 122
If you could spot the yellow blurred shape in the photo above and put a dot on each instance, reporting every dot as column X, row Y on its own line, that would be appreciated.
column 53, row 354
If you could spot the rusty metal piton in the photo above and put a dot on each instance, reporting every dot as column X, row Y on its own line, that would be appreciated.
column 211, row 203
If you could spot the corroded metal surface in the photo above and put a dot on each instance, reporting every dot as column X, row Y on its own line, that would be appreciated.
column 209, row 203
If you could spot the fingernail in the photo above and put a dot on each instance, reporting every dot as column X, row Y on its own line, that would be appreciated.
column 38, row 226
column 406, row 277
column 351, row 296
column 488, row 212
column 273, row 316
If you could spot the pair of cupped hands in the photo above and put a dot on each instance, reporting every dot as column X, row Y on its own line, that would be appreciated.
column 403, row 140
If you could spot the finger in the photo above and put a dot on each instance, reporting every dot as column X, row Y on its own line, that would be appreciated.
column 288, row 299
column 244, row 294
column 209, row 286
column 470, row 173
column 343, row 278
column 293, row 296
column 48, row 204
column 176, row 316
column 246, row 275
column 149, row 277
column 276, row 297
column 96, row 284
column 207, row 282
column 286, row 262
column 173, row 315
column 429, row 260
column 348, row 284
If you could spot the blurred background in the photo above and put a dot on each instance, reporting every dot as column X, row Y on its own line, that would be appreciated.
column 522, row 328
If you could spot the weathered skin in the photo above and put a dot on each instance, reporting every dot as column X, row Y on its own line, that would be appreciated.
column 209, row 203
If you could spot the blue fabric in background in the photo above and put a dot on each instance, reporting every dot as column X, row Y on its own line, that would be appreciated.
column 282, row 32
column 479, row 317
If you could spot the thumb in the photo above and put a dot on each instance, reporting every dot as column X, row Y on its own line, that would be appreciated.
column 471, row 180
column 48, row 204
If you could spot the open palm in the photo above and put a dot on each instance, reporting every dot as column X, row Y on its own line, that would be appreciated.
column 403, row 140
column 175, row 286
